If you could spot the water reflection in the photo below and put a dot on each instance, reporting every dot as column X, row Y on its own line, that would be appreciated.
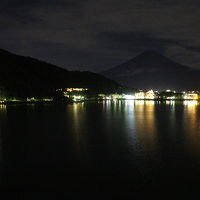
column 3, row 112
column 192, row 126
column 191, row 103
column 77, row 123
column 136, row 120
column 116, row 142
column 145, row 124
column 168, row 102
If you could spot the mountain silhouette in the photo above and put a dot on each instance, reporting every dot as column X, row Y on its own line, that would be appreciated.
column 24, row 76
column 150, row 70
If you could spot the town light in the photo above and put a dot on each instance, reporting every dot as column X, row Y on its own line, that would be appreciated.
column 129, row 97
column 190, row 96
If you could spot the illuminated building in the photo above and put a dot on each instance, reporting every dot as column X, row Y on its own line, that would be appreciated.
column 76, row 89
column 169, row 95
column 80, row 94
column 150, row 94
column 72, row 94
column 78, row 98
column 72, row 89
column 140, row 95
column 190, row 96
column 129, row 97
column 145, row 95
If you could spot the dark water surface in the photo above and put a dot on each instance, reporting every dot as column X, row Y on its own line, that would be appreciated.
column 122, row 147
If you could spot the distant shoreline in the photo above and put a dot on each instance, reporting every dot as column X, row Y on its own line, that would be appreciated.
column 94, row 100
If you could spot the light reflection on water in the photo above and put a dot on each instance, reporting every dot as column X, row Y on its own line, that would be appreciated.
column 2, row 130
column 141, row 124
column 138, row 140
column 146, row 129
column 192, row 126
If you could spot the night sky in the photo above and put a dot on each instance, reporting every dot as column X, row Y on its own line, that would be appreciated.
column 99, row 34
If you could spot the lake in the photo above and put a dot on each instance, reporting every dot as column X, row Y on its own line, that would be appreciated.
column 115, row 147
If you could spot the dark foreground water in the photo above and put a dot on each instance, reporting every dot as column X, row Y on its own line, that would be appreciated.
column 100, row 148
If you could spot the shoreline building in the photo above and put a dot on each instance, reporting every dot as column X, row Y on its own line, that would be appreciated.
column 191, row 96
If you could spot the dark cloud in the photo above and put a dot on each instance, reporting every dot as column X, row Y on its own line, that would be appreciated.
column 136, row 41
column 95, row 35
column 195, row 49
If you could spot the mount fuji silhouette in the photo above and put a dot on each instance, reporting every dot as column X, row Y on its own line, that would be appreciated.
column 150, row 70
